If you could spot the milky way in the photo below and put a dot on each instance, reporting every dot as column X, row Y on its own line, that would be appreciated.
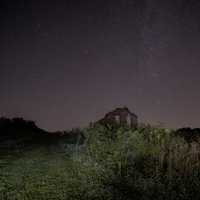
column 65, row 63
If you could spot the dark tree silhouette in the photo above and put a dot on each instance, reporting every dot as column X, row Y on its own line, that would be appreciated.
column 189, row 134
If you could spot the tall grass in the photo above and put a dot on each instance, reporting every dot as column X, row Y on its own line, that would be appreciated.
column 114, row 163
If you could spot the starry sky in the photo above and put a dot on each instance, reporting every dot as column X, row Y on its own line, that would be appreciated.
column 66, row 63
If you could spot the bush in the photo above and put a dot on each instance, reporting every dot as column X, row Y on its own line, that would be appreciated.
column 111, row 164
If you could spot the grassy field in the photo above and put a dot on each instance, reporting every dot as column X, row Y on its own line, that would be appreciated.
column 112, row 164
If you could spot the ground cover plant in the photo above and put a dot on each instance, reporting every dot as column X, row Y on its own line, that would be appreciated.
column 113, row 163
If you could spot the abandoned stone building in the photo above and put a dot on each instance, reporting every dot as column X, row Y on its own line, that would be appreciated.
column 121, row 116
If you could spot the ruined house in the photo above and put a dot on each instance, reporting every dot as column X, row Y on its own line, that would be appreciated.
column 121, row 116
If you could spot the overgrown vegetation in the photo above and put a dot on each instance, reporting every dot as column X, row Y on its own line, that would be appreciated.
column 113, row 163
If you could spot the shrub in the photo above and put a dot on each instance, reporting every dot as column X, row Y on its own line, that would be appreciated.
column 113, row 163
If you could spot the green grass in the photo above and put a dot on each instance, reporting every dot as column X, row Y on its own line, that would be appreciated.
column 112, row 164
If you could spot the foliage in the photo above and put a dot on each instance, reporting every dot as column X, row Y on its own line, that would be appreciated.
column 113, row 163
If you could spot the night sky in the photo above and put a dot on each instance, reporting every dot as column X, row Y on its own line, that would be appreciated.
column 66, row 63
